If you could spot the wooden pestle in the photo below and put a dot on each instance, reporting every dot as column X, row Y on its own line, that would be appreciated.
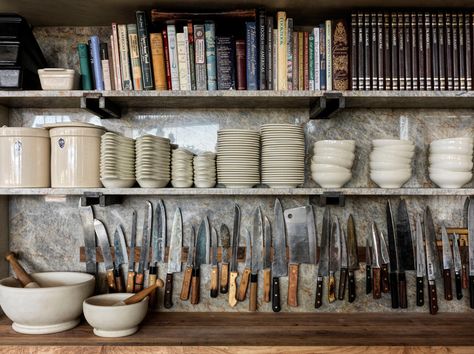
column 140, row 295
column 24, row 278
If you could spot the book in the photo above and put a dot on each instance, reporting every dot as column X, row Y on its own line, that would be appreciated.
column 367, row 58
column 373, row 52
column 200, row 57
column 158, row 60
column 434, row 51
column 225, row 56
column 360, row 52
column 173, row 56
column 428, row 53
column 186, row 53
column 97, row 65
column 110, row 50
column 317, row 78
column 387, row 48
column 164, row 33
column 182, row 61
column 322, row 55
column 380, row 50
column 455, row 44
column 116, row 58
column 134, row 56
column 407, row 51
column 91, row 64
column 340, row 55
column 275, row 59
column 462, row 53
column 282, row 51
column 311, row 60
column 124, row 58
column 240, row 64
column 468, row 47
column 295, row 54
column 300, row 63
column 145, row 55
column 269, row 49
column 290, row 55
column 262, row 52
column 394, row 51
column 251, row 55
column 441, row 52
column 192, row 65
column 401, row 52
column 104, row 60
column 305, row 60
column 421, row 51
column 449, row 53
column 414, row 52
column 329, row 64
column 354, row 29
column 210, row 35
column 84, row 65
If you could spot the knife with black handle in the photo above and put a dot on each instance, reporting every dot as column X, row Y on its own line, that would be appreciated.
column 323, row 268
column 471, row 250
column 447, row 264
column 344, row 266
column 353, row 257
column 457, row 267
column 392, row 252
column 420, row 263
column 431, row 260
column 368, row 266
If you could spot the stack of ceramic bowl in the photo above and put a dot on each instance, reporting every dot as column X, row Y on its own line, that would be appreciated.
column 238, row 158
column 152, row 167
column 182, row 168
column 332, row 162
column 117, row 161
column 283, row 155
column 205, row 170
column 451, row 162
column 390, row 162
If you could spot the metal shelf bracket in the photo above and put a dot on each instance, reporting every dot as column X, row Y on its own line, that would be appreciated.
column 97, row 198
column 99, row 105
column 327, row 105
column 329, row 198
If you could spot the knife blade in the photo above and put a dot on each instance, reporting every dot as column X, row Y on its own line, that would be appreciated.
column 174, row 256
column 368, row 264
column 470, row 227
column 145, row 247
column 101, row 233
column 457, row 267
column 279, row 263
column 87, row 217
column 447, row 264
column 312, row 234
column 267, row 275
column 420, row 263
column 385, row 262
column 225, row 244
column 201, row 257
column 464, row 248
column 392, row 252
column 334, row 258
column 244, row 282
column 233, row 262
column 215, row 269
column 376, row 262
column 188, row 272
column 352, row 256
column 121, row 257
column 158, row 246
column 131, row 262
column 257, row 264
column 298, row 242
column 344, row 266
column 431, row 260
column 323, row 267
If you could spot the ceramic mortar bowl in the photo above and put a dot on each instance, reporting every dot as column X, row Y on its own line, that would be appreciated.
column 54, row 307
column 114, row 321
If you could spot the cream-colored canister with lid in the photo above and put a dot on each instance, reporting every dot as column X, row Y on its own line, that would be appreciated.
column 24, row 157
column 75, row 156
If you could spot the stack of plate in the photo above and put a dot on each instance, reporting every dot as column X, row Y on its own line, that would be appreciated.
column 117, row 159
column 238, row 158
column 152, row 167
column 182, row 168
column 205, row 170
column 283, row 155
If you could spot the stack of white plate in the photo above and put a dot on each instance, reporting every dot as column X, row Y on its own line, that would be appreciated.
column 332, row 162
column 283, row 155
column 182, row 168
column 238, row 158
column 205, row 170
column 451, row 162
column 152, row 167
column 390, row 162
column 117, row 160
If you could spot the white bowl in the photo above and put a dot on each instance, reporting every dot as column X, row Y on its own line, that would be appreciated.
column 334, row 152
column 332, row 160
column 331, row 179
column 55, row 307
column 433, row 158
column 348, row 145
column 387, row 166
column 378, row 156
column 395, row 152
column 390, row 142
column 315, row 167
column 452, row 149
column 390, row 179
column 114, row 321
column 458, row 140
column 401, row 147
column 452, row 165
column 448, row 179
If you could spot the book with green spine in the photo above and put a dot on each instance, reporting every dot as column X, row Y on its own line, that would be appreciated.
column 84, row 64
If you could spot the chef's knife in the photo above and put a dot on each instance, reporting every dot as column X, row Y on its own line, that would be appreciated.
column 323, row 268
column 368, row 264
column 214, row 268
column 344, row 266
column 431, row 260
column 447, row 264
column 470, row 220
column 174, row 256
column 392, row 252
column 158, row 246
column 233, row 262
column 457, row 266
column 279, row 263
column 188, row 272
column 121, row 257
column 145, row 247
column 101, row 233
column 312, row 234
column 334, row 259
column 267, row 274
column 464, row 249
column 298, row 243
column 420, row 263
column 87, row 218
column 405, row 252
column 353, row 257
column 257, row 247
column 385, row 262
column 131, row 262
column 201, row 257
column 225, row 244
column 376, row 262
column 244, row 282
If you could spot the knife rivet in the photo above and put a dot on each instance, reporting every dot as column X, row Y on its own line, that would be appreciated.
column 290, row 216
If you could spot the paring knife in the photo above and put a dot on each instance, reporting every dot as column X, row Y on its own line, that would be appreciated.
column 470, row 223
column 121, row 257
column 267, row 274
column 257, row 264
column 174, row 256
column 188, row 272
column 431, row 260
column 323, row 268
column 244, row 281
column 131, row 263
column 101, row 233
column 158, row 246
column 376, row 262
column 334, row 259
column 201, row 257
column 420, row 263
column 352, row 256
column 385, row 262
column 344, row 266
column 368, row 264
column 87, row 218
column 447, row 264
column 457, row 267
column 233, row 262
column 279, row 263
column 145, row 247
column 214, row 268
column 393, row 255
column 225, row 244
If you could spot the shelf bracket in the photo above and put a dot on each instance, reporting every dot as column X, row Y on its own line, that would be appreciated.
column 329, row 198
column 97, row 198
column 99, row 105
column 327, row 105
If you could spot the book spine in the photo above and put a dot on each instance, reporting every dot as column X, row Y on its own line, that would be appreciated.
column 317, row 65
column 269, row 49
column 144, row 47
column 116, row 59
column 225, row 65
column 328, row 55
column 414, row 52
column 166, row 51
column 188, row 65
column 173, row 54
column 311, row 60
column 282, row 51
column 210, row 34
column 182, row 67
column 401, row 52
column 322, row 55
column 275, row 59
column 387, row 46
column 84, row 64
column 380, row 48
column 407, row 47
column 158, row 59
column 354, row 29
column 290, row 54
column 124, row 58
column 200, row 57
column 449, row 53
column 300, row 64
column 241, row 63
column 251, row 54
column 468, row 47
column 305, row 60
column 394, row 35
column 373, row 52
column 367, row 61
column 434, row 51
column 104, row 60
column 296, row 58
column 441, row 53
column 262, row 53
column 340, row 55
column 455, row 32
column 462, row 53
column 97, row 65
column 192, row 65
column 428, row 53
column 110, row 54
column 421, row 51
column 134, row 56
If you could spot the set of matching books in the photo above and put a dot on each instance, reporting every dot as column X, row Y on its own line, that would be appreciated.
column 412, row 51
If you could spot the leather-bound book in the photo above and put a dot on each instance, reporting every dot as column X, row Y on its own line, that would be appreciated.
column 158, row 60
column 449, row 52
column 468, row 47
column 380, row 48
column 434, row 51
column 387, row 48
column 414, row 52
column 455, row 30
column 407, row 46
column 462, row 53
column 340, row 55
column 360, row 52
column 373, row 51
column 394, row 42
column 441, row 52
column 401, row 52
column 367, row 59
column 421, row 51
column 354, row 84
column 240, row 64
column 428, row 54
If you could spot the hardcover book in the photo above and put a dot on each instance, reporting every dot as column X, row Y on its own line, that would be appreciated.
column 414, row 52
column 124, row 58
column 367, row 58
column 462, row 53
column 187, row 63
column 97, row 65
column 182, row 61
column 387, row 47
column 322, row 55
column 145, row 54
column 373, row 51
column 116, row 58
column 407, row 48
column 449, row 53
column 104, row 60
column 296, row 58
column 340, row 55
column 134, row 56
column 317, row 78
column 300, row 63
column 173, row 56
column 269, row 49
column 434, row 51
column 401, row 52
column 167, row 58
column 468, row 48
column 225, row 62
column 354, row 34
column 84, row 64
column 241, row 63
column 380, row 51
column 305, row 60
column 441, row 52
column 394, row 41
column 158, row 59
column 210, row 34
column 282, row 51
column 428, row 54
column 192, row 65
column 311, row 60
column 251, row 54
column 290, row 54
column 329, row 55
column 262, row 53
column 200, row 57
column 421, row 51
column 360, row 52
column 455, row 33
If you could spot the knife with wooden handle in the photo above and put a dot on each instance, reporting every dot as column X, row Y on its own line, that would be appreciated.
column 121, row 257
column 431, row 260
column 225, row 244
column 384, row 275
column 158, row 246
column 202, row 257
column 101, row 233
column 214, row 268
column 244, row 281
column 131, row 263
column 188, row 271
column 447, row 264
column 334, row 259
column 376, row 262
column 257, row 263
column 267, row 273
column 174, row 256
column 233, row 262
column 145, row 247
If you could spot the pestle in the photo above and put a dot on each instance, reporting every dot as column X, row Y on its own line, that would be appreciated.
column 140, row 295
column 24, row 278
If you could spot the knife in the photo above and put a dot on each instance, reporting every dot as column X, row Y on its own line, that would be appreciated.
column 334, row 259
column 431, row 261
column 174, row 256
column 279, row 263
column 267, row 274
column 405, row 252
column 312, row 234
column 470, row 220
column 121, row 257
column 368, row 265
column 385, row 261
column 201, row 257
column 158, row 246
column 257, row 248
column 392, row 253
column 225, row 244
column 420, row 264
column 447, row 264
column 298, row 242
column 344, row 266
column 131, row 263
column 87, row 218
column 352, row 256
column 188, row 272
column 233, row 262
column 457, row 267
column 376, row 262
column 464, row 248
column 101, row 233
column 244, row 282
column 145, row 247
column 214, row 269
column 323, row 268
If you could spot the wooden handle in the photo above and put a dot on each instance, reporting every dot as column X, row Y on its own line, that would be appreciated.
column 186, row 286
column 224, row 278
column 458, row 282
column 244, row 283
column 111, row 281
column 377, row 292
column 233, row 289
column 448, row 289
column 352, row 286
column 276, row 304
column 267, row 280
column 368, row 279
column 293, row 285
column 253, row 292
column 471, row 291
column 151, row 281
column 420, row 291
column 130, row 282
column 138, row 282
column 21, row 274
column 384, row 278
column 168, row 300
column 195, row 287
column 464, row 277
column 331, row 288
column 433, row 297
column 118, row 281
column 394, row 290
column 319, row 293
column 342, row 284
column 144, row 293
column 214, row 281
column 402, row 290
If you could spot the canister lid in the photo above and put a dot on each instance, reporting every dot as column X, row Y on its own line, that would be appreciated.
column 23, row 132
column 71, row 124
column 76, row 131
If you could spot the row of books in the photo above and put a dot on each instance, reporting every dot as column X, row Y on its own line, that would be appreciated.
column 412, row 51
